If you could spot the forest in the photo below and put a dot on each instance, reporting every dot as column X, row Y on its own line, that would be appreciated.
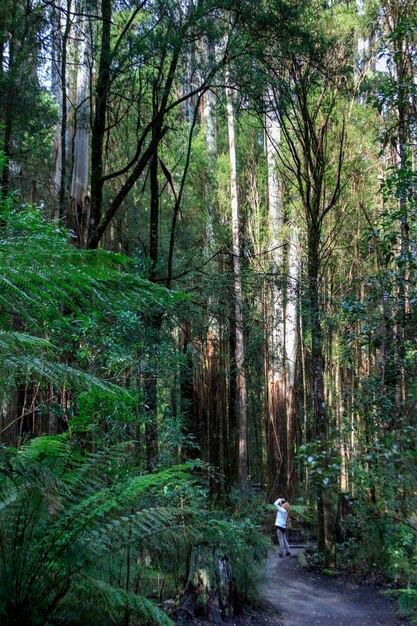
column 208, row 300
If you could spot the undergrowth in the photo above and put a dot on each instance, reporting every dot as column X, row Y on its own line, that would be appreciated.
column 87, row 539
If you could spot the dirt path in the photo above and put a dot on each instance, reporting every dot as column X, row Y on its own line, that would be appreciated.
column 308, row 599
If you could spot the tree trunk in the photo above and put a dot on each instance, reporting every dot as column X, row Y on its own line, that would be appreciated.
column 64, row 115
column 151, row 428
column 214, row 406
column 210, row 591
column 56, row 89
column 277, row 402
column 77, row 218
column 291, row 350
column 7, row 121
column 325, row 512
column 238, row 296
column 99, row 123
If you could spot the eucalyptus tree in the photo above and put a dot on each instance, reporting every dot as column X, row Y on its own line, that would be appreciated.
column 238, row 297
column 282, row 316
column 312, row 120
column 83, row 53
column 277, row 426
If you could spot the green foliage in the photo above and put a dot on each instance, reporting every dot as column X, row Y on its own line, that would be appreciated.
column 84, row 530
column 106, row 414
column 64, row 515
column 245, row 546
column 48, row 292
column 322, row 464
column 407, row 602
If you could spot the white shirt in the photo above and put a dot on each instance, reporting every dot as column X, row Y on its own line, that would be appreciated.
column 282, row 514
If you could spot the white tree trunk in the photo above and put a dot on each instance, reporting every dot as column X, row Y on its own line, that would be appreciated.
column 291, row 309
column 80, row 170
column 273, row 141
column 291, row 344
column 240, row 346
column 277, row 405
column 282, row 321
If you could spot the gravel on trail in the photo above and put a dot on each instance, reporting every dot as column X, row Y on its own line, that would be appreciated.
column 303, row 598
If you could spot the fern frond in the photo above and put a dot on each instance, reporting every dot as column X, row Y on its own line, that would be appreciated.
column 115, row 601
column 47, row 283
column 58, row 374
column 10, row 341
column 50, row 530
column 41, row 272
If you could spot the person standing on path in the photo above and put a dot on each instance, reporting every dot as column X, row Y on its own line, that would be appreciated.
column 282, row 506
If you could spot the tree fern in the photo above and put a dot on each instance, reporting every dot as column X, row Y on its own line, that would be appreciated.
column 116, row 601
column 53, row 535
column 45, row 285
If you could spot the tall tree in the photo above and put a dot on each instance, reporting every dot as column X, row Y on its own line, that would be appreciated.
column 81, row 134
column 238, row 295
column 316, row 165
column 277, row 409
column 158, row 58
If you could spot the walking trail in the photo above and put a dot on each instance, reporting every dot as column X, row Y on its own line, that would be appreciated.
column 302, row 598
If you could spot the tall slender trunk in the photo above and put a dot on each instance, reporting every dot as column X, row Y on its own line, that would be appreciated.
column 326, row 521
column 291, row 349
column 218, row 426
column 238, row 297
column 64, row 114
column 277, row 405
column 7, row 120
column 99, row 120
column 233, row 403
column 79, row 182
column 402, row 109
column 214, row 406
column 151, row 428
column 56, row 89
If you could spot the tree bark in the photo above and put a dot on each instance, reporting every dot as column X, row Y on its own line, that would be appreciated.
column 77, row 218
column 210, row 591
column 238, row 297
column 64, row 115
column 291, row 350
column 99, row 123
column 277, row 402
column 151, row 428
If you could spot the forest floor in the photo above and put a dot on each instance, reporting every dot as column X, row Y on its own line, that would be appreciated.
column 290, row 595
column 293, row 596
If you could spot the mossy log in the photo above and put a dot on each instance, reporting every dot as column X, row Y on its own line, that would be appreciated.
column 210, row 592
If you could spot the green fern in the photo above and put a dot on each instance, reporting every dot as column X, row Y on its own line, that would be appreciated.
column 116, row 601
column 57, row 530
column 45, row 286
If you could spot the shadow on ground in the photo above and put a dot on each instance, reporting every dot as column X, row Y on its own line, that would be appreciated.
column 302, row 598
